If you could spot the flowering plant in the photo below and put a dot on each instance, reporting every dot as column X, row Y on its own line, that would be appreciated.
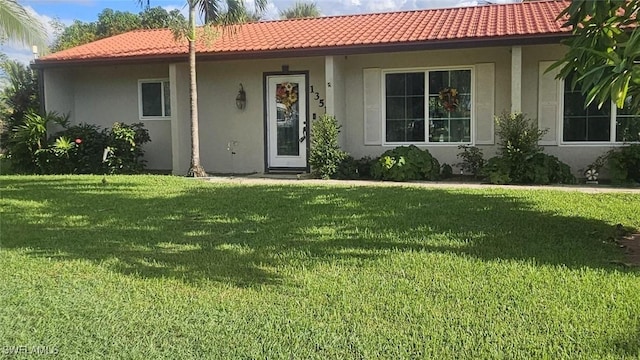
column 449, row 98
column 287, row 95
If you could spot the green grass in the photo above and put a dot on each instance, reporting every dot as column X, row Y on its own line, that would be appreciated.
column 162, row 267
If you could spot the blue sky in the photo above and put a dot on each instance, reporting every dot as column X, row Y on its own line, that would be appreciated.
column 87, row 10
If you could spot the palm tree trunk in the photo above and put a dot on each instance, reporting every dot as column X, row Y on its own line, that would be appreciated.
column 195, row 170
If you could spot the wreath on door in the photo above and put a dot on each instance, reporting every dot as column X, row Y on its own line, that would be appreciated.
column 449, row 98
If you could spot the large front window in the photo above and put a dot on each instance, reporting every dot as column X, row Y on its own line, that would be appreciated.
column 439, row 98
column 593, row 124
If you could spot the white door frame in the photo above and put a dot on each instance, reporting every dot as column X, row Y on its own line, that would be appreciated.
column 276, row 126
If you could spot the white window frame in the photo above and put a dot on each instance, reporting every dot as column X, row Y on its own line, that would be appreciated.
column 427, row 120
column 162, row 100
column 612, row 125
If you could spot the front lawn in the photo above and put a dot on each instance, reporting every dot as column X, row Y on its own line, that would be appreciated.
column 151, row 267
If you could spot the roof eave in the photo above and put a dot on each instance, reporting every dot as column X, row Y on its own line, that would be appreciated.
column 537, row 39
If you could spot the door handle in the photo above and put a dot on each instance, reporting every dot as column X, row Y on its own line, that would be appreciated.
column 304, row 132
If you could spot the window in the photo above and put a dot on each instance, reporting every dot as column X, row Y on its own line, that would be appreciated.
column 154, row 98
column 607, row 124
column 439, row 98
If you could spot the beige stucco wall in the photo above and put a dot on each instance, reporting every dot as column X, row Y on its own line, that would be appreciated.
column 355, row 64
column 225, row 129
column 103, row 95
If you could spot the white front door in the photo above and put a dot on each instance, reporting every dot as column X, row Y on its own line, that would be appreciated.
column 286, row 121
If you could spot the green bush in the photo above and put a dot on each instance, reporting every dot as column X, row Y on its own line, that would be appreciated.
column 325, row 155
column 79, row 149
column 124, row 145
column 520, row 159
column 446, row 171
column 472, row 159
column 27, row 139
column 406, row 163
column 352, row 169
column 623, row 164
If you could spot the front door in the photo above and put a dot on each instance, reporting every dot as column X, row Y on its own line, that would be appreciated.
column 286, row 122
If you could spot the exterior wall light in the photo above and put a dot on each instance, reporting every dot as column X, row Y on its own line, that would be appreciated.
column 241, row 99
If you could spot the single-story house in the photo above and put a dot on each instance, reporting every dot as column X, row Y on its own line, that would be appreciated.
column 434, row 78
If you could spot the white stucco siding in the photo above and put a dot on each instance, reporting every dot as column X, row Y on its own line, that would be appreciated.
column 353, row 77
column 224, row 129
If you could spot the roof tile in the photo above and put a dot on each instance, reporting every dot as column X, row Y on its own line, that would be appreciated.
column 527, row 19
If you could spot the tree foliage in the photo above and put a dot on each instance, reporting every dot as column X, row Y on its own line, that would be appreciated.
column 16, row 24
column 604, row 51
column 110, row 23
column 301, row 10
column 18, row 97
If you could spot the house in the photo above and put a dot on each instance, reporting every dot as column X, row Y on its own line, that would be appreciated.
column 390, row 79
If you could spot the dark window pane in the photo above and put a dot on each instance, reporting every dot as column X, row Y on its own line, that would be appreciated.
column 574, row 104
column 151, row 99
column 460, row 130
column 575, row 129
column 415, row 84
column 415, row 131
column 438, row 80
column 461, row 80
column 167, row 98
column 598, row 128
column 415, row 107
column 395, row 85
column 396, row 108
column 396, row 130
column 464, row 107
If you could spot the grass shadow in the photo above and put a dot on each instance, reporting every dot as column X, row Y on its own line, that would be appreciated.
column 244, row 235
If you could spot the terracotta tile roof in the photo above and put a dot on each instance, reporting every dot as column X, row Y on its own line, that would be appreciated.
column 367, row 32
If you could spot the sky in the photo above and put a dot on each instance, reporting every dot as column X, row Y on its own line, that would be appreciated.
column 66, row 11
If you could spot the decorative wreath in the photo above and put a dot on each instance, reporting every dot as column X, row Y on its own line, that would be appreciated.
column 287, row 94
column 449, row 98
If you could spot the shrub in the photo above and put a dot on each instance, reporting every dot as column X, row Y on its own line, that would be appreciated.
column 325, row 154
column 28, row 138
column 124, row 146
column 446, row 171
column 352, row 169
column 623, row 164
column 406, row 163
column 90, row 141
column 520, row 158
column 472, row 159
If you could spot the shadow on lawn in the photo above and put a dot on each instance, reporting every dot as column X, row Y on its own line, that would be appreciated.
column 243, row 234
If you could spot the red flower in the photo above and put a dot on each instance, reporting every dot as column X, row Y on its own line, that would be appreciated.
column 78, row 141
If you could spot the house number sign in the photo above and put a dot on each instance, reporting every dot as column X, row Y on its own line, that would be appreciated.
column 316, row 96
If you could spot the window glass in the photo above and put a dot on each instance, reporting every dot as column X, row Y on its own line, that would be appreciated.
column 405, row 107
column 580, row 124
column 151, row 99
column 167, row 98
column 627, row 124
column 450, row 106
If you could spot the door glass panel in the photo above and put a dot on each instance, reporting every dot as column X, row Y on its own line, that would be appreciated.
column 288, row 118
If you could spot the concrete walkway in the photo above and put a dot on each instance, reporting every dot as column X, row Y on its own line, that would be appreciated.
column 287, row 179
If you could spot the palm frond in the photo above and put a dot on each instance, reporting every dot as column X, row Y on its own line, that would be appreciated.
column 16, row 24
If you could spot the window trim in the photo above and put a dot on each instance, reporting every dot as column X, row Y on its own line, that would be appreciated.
column 162, row 98
column 426, row 71
column 612, row 125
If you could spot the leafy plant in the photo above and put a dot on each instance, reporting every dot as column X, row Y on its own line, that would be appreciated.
column 623, row 164
column 520, row 158
column 472, row 159
column 406, row 163
column 125, row 153
column 28, row 138
column 325, row 155
column 446, row 171
column 352, row 169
